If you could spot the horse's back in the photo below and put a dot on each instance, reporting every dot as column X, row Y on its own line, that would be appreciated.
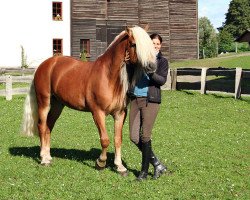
column 62, row 62
column 64, row 77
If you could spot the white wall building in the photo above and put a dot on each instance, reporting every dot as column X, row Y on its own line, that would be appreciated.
column 30, row 24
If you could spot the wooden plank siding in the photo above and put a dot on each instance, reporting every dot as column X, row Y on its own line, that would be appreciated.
column 175, row 20
column 183, row 29
column 83, row 29
column 89, row 9
column 156, row 14
column 123, row 10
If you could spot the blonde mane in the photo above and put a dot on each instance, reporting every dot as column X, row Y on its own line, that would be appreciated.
column 144, row 48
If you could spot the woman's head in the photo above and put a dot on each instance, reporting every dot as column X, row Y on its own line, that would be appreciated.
column 157, row 40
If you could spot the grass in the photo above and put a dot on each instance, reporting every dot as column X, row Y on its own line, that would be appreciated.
column 228, row 61
column 203, row 139
column 15, row 85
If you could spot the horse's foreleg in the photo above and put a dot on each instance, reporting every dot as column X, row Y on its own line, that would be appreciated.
column 99, row 118
column 119, row 121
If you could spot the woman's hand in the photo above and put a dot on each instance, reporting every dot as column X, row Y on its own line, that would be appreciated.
column 127, row 58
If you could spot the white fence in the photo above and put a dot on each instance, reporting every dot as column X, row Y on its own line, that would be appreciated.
column 9, row 90
column 191, row 75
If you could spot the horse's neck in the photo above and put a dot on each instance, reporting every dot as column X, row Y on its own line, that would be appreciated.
column 115, row 59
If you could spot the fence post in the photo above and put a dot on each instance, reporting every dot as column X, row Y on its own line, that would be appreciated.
column 203, row 80
column 238, row 74
column 173, row 79
column 8, row 88
column 167, row 85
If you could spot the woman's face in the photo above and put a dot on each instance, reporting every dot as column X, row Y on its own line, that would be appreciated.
column 157, row 44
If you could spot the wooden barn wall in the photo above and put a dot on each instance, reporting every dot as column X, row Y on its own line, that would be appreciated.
column 101, row 36
column 183, row 29
column 175, row 20
column 123, row 10
column 114, row 28
column 89, row 21
column 156, row 14
column 106, row 31
column 88, row 9
column 81, row 29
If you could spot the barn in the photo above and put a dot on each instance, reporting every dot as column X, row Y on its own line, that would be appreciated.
column 94, row 23
column 35, row 30
column 244, row 37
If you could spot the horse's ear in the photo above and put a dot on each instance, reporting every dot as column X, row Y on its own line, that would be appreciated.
column 146, row 28
column 128, row 31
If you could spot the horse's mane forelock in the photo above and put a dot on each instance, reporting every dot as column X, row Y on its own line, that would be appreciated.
column 144, row 48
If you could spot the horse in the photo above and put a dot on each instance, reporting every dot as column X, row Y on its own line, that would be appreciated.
column 98, row 87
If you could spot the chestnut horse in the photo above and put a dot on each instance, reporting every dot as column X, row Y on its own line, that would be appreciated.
column 98, row 87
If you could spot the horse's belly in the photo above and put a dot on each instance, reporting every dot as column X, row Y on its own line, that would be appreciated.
column 72, row 95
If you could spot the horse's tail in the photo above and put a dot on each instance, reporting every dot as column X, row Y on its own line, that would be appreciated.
column 30, row 115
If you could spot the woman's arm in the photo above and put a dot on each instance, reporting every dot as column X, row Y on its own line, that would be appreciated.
column 160, row 76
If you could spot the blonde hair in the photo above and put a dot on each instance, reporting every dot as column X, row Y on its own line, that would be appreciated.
column 144, row 48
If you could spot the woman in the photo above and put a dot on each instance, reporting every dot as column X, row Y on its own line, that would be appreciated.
column 145, row 101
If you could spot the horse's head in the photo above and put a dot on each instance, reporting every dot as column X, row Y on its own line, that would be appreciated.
column 140, row 47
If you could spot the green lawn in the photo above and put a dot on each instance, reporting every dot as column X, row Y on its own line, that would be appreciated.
column 15, row 85
column 203, row 139
column 231, row 60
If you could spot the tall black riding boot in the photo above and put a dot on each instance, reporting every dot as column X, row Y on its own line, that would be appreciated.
column 159, row 168
column 146, row 152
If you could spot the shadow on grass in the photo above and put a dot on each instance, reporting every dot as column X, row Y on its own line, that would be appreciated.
column 223, row 84
column 71, row 154
column 76, row 155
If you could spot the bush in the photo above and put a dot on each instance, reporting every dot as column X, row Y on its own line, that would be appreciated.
column 242, row 47
column 83, row 56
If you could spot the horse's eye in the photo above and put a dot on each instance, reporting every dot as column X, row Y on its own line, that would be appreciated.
column 132, row 45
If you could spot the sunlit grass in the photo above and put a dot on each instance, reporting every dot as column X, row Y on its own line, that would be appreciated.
column 203, row 139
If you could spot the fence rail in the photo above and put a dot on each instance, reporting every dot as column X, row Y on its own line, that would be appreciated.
column 201, row 75
column 175, row 76
column 17, row 71
column 9, row 91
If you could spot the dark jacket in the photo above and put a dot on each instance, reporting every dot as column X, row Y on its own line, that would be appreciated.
column 158, row 79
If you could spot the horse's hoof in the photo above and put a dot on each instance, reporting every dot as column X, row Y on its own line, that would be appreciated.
column 99, row 167
column 46, row 164
column 99, row 164
column 124, row 173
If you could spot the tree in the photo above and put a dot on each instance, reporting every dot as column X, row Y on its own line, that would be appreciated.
column 207, row 38
column 237, row 17
column 23, row 58
column 225, row 40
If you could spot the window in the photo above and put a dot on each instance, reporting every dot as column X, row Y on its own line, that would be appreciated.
column 85, row 46
column 57, row 47
column 57, row 11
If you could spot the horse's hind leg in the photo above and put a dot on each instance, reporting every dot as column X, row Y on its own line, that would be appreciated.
column 49, row 110
column 56, row 108
column 44, row 133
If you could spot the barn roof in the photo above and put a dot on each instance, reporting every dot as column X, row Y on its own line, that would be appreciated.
column 245, row 37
